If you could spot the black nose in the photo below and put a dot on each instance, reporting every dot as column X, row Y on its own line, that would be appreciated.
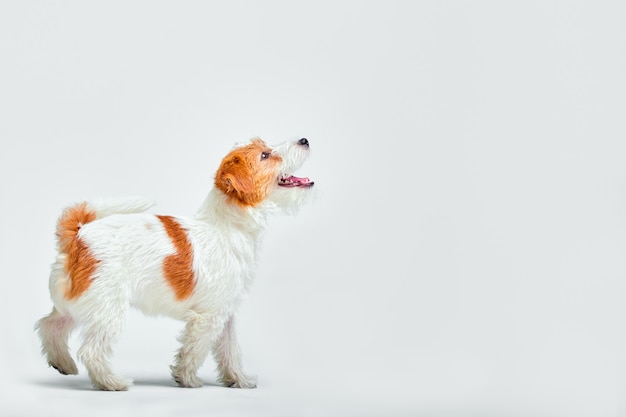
column 304, row 142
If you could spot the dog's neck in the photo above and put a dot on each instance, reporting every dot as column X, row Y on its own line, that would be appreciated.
column 219, row 211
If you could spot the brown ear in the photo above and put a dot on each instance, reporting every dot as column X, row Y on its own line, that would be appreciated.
column 234, row 177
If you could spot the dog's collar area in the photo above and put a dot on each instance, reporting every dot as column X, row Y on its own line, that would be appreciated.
column 293, row 181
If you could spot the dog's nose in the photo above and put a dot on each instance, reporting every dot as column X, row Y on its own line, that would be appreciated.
column 304, row 142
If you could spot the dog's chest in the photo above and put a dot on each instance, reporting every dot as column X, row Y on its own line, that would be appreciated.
column 224, row 257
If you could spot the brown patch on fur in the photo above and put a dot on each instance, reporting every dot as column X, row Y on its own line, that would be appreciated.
column 177, row 268
column 80, row 264
column 245, row 177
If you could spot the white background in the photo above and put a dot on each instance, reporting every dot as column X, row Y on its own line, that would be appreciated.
column 466, row 252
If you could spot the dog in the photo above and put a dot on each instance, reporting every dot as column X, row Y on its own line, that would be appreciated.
column 113, row 255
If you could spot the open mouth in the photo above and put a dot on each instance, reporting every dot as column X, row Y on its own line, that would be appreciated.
column 293, row 181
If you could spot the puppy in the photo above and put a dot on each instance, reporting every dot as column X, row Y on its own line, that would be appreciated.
column 112, row 255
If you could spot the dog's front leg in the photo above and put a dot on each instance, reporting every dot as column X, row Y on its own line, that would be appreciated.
column 228, row 357
column 200, row 333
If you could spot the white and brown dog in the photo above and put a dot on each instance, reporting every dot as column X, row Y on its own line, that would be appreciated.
column 112, row 255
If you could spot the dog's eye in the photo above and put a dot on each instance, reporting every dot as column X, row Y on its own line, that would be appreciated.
column 265, row 155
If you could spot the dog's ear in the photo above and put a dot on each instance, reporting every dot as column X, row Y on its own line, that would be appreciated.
column 234, row 177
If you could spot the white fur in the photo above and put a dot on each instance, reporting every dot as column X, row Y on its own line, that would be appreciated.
column 131, row 246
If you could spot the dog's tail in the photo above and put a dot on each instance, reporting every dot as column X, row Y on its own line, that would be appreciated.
column 78, row 215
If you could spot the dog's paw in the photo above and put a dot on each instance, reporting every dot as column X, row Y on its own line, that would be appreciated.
column 186, row 380
column 65, row 368
column 245, row 382
column 112, row 383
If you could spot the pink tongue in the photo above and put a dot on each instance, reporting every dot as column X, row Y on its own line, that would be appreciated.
column 299, row 180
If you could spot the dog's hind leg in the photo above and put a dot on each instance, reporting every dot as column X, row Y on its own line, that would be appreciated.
column 99, row 334
column 228, row 357
column 200, row 333
column 54, row 331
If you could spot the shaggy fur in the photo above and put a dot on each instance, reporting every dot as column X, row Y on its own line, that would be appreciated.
column 113, row 256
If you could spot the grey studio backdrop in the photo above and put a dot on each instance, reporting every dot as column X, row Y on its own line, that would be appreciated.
column 465, row 253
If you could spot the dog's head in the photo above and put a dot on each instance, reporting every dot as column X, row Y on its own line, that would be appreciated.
column 252, row 174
